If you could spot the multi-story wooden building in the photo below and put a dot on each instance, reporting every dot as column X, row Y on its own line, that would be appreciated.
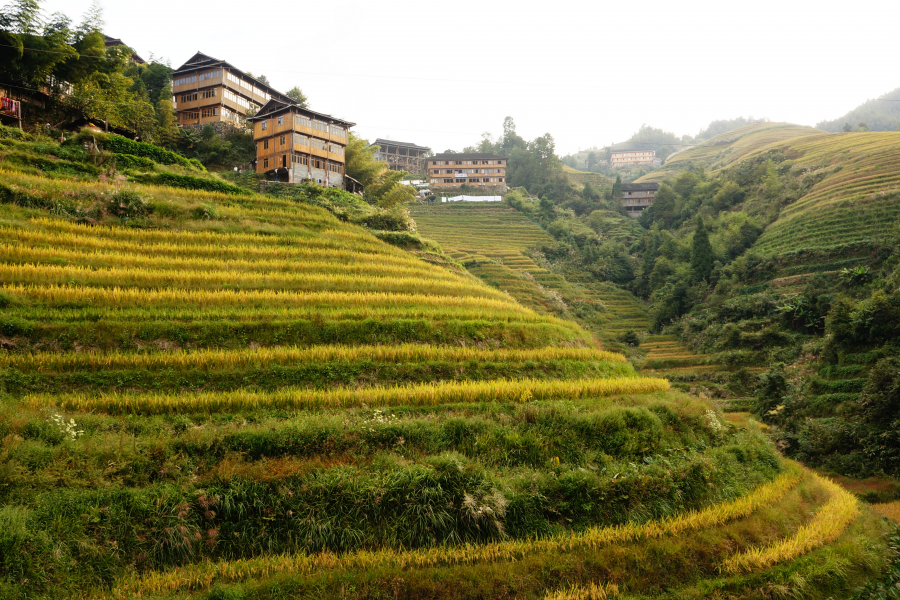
column 209, row 90
column 622, row 158
column 638, row 196
column 294, row 144
column 448, row 171
column 402, row 156
column 115, row 42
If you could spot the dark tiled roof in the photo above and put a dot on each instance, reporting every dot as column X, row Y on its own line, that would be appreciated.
column 640, row 187
column 381, row 142
column 469, row 156
column 110, row 41
column 275, row 107
column 203, row 61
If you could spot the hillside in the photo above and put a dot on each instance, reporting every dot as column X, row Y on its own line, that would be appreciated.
column 800, row 284
column 727, row 148
column 228, row 395
column 495, row 242
column 880, row 114
column 579, row 178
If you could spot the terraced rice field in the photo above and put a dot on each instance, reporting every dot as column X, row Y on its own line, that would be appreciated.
column 804, row 513
column 274, row 404
column 492, row 241
column 856, row 204
column 728, row 148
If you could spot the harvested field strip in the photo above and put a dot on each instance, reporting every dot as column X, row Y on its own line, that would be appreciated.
column 828, row 525
column 889, row 510
column 589, row 592
column 200, row 576
column 262, row 357
column 305, row 399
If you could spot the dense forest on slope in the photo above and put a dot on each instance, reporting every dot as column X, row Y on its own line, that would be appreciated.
column 880, row 114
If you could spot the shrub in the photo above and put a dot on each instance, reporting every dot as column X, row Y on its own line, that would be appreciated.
column 187, row 182
column 122, row 145
column 128, row 204
column 205, row 212
column 14, row 133
column 129, row 161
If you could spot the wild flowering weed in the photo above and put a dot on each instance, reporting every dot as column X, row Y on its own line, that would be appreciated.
column 69, row 428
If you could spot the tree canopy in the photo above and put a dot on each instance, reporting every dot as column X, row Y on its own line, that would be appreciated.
column 297, row 95
column 382, row 186
column 82, row 77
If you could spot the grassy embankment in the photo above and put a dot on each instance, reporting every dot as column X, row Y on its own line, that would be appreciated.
column 205, row 395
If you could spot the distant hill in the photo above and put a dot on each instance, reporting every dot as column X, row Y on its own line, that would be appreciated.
column 579, row 178
column 727, row 148
column 882, row 114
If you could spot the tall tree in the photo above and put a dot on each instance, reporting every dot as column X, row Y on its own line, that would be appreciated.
column 166, row 125
column 702, row 257
column 297, row 95
column 591, row 160
column 92, row 20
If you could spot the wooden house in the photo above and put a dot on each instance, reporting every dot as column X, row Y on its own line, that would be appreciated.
column 628, row 157
column 449, row 171
column 294, row 144
column 638, row 196
column 209, row 90
column 402, row 156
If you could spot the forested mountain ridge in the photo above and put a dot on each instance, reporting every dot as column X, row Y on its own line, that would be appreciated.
column 880, row 114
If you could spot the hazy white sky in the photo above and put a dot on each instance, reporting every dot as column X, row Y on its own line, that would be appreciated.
column 440, row 74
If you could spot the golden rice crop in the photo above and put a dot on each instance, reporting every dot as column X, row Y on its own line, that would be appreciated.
column 428, row 394
column 119, row 297
column 262, row 357
column 337, row 238
column 202, row 575
column 891, row 510
column 240, row 314
column 826, row 526
column 591, row 591
column 323, row 264
column 156, row 278
column 300, row 249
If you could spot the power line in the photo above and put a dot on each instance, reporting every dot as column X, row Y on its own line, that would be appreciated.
column 19, row 87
